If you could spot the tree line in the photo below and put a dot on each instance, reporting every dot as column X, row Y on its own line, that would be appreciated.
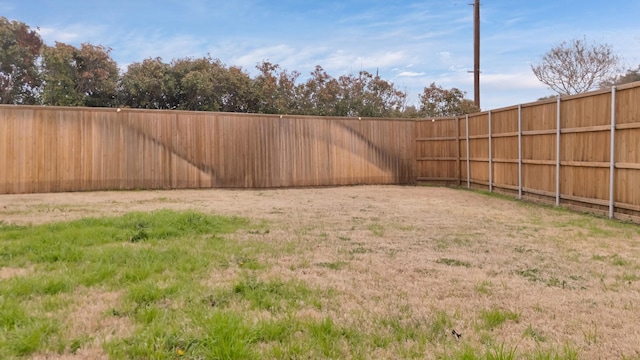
column 33, row 73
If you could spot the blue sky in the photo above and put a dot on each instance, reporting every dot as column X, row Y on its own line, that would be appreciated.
column 410, row 43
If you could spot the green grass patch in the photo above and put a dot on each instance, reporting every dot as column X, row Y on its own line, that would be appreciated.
column 153, row 258
column 493, row 318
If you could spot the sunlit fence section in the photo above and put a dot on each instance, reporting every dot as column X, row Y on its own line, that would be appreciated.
column 582, row 151
column 48, row 149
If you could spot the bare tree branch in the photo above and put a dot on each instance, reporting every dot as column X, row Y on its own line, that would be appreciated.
column 577, row 67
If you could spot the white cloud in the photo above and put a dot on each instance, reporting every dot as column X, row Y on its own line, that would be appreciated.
column 511, row 81
column 57, row 35
column 72, row 34
column 410, row 74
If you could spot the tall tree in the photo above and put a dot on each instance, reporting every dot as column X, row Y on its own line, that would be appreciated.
column 319, row 94
column 436, row 101
column 381, row 98
column 148, row 85
column 79, row 77
column 97, row 75
column 275, row 89
column 239, row 92
column 19, row 51
column 60, row 75
column 577, row 66
column 198, row 83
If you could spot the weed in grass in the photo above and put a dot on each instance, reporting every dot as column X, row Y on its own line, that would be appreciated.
column 522, row 250
column 501, row 352
column 259, row 232
column 466, row 352
column 538, row 308
column 590, row 335
column 402, row 227
column 628, row 277
column 453, row 262
column 439, row 327
column 335, row 265
column 78, row 343
column 532, row 275
column 534, row 334
column 376, row 229
column 568, row 352
column 495, row 317
column 275, row 295
column 360, row 250
column 616, row 260
column 249, row 263
column 485, row 287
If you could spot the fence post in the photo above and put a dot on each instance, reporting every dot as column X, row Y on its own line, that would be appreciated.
column 519, row 151
column 468, row 161
column 490, row 157
column 458, row 175
column 612, row 159
column 558, row 151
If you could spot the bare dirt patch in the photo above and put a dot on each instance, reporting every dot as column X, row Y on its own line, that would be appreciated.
column 9, row 272
column 571, row 279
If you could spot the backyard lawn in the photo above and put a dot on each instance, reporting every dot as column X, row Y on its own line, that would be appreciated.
column 361, row 272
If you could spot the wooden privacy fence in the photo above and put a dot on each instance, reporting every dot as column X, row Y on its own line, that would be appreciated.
column 581, row 151
column 52, row 149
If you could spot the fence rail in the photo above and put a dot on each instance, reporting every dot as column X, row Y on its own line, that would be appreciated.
column 581, row 151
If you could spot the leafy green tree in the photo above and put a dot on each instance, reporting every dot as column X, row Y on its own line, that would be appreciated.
column 436, row 101
column 275, row 89
column 60, row 74
column 149, row 85
column 19, row 52
column 319, row 94
column 98, row 75
column 239, row 93
column 197, row 84
column 79, row 77
column 380, row 97
column 349, row 95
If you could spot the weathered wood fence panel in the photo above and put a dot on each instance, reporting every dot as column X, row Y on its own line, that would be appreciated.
column 581, row 151
column 49, row 149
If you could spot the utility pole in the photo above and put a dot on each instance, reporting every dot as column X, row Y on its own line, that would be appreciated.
column 476, row 53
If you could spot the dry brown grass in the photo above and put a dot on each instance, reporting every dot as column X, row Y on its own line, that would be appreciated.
column 416, row 252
